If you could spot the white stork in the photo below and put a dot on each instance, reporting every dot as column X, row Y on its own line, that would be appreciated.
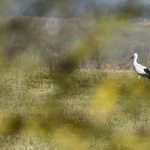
column 140, row 69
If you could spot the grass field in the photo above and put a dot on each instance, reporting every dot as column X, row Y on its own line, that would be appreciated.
column 56, row 92
column 66, row 108
column 95, row 110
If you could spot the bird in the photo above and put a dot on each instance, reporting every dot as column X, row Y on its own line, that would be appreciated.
column 140, row 69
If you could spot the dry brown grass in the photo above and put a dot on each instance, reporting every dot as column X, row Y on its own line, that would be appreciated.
column 94, row 110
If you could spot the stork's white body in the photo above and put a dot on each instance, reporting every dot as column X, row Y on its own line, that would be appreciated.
column 140, row 69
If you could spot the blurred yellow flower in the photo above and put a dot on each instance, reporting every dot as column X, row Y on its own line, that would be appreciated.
column 104, row 99
column 68, row 139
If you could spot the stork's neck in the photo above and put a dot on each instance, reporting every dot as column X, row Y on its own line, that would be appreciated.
column 135, row 60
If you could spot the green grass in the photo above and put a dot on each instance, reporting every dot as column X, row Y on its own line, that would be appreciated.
column 41, row 110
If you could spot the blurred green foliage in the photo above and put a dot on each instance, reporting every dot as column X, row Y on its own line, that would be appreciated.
column 65, row 107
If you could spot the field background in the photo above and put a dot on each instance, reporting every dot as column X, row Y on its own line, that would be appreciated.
column 51, row 40
column 67, row 84
column 88, row 109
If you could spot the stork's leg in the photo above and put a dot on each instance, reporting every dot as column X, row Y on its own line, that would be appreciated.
column 138, row 78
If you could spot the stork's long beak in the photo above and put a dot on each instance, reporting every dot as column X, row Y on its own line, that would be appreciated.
column 130, row 58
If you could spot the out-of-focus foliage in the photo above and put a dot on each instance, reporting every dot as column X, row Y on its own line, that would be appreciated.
column 65, row 107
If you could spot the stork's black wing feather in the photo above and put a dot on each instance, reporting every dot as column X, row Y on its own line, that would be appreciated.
column 148, row 72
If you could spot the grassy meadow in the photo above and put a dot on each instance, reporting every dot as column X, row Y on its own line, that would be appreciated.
column 82, row 109
column 85, row 97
